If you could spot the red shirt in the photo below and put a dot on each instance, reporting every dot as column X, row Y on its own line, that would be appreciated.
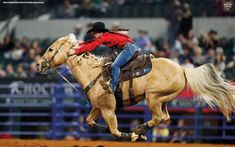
column 108, row 39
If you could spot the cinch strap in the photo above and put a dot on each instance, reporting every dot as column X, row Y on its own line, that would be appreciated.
column 92, row 83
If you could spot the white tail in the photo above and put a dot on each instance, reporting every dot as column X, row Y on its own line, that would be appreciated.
column 209, row 87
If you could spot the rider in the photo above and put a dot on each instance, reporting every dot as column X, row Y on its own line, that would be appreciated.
column 111, row 40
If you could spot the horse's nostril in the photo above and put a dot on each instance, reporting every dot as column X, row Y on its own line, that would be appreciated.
column 37, row 64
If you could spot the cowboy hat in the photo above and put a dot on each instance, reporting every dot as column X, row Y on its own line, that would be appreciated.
column 98, row 27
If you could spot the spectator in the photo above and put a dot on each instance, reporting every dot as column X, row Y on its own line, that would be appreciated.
column 25, row 43
column 88, row 36
column 188, row 63
column 36, row 46
column 115, row 26
column 161, row 133
column 218, row 4
column 173, row 18
column 2, row 73
column 219, row 61
column 21, row 71
column 30, row 56
column 230, row 68
column 231, row 64
column 186, row 23
column 210, row 56
column 33, row 70
column 10, row 71
column 69, row 9
column 8, row 44
column 104, row 6
column 17, row 52
column 119, row 2
column 187, row 53
column 192, row 41
column 198, row 58
column 78, row 32
column 143, row 41
column 88, row 8
column 179, row 135
column 179, row 43
column 213, row 35
column 205, row 41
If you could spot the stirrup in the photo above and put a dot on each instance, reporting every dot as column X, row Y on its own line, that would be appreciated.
column 105, row 86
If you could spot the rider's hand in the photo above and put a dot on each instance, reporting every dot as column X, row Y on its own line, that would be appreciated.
column 71, row 52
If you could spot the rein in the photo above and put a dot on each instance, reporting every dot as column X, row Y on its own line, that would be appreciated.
column 66, row 80
column 58, row 72
column 49, row 62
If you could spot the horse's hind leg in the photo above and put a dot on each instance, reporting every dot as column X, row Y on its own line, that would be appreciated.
column 157, row 105
column 166, row 115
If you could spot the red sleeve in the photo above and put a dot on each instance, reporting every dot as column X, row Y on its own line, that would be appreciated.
column 91, row 45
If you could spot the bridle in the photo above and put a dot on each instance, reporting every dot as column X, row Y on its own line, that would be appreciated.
column 50, row 62
column 45, row 62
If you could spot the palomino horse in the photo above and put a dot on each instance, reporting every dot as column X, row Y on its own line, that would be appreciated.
column 162, row 84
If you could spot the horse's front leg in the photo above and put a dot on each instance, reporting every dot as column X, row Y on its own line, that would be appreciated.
column 94, row 115
column 108, row 107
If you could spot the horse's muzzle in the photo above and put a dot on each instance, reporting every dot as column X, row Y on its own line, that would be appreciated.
column 41, row 67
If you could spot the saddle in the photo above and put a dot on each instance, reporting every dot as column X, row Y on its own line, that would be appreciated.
column 139, row 65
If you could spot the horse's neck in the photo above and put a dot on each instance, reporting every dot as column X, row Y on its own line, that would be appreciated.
column 83, row 72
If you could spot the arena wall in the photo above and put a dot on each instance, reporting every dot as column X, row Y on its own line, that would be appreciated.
column 156, row 27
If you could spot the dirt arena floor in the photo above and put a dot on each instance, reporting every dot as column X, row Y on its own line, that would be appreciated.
column 68, row 143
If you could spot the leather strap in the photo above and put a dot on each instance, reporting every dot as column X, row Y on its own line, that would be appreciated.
column 92, row 83
column 131, row 91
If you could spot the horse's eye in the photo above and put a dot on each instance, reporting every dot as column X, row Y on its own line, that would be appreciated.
column 50, row 49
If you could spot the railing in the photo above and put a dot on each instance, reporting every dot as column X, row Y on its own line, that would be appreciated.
column 35, row 109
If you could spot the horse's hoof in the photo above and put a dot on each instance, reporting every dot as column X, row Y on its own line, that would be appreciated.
column 143, row 137
column 134, row 137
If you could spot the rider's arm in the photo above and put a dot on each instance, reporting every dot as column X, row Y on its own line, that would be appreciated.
column 91, row 45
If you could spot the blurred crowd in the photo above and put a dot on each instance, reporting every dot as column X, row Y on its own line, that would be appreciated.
column 55, row 9
column 107, row 8
column 18, row 56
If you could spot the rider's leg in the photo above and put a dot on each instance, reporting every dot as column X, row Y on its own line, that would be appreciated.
column 122, row 59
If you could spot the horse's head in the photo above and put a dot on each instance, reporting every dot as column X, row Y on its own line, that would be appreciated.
column 57, row 53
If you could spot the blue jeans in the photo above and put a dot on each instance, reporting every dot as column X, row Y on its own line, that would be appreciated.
column 123, row 58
